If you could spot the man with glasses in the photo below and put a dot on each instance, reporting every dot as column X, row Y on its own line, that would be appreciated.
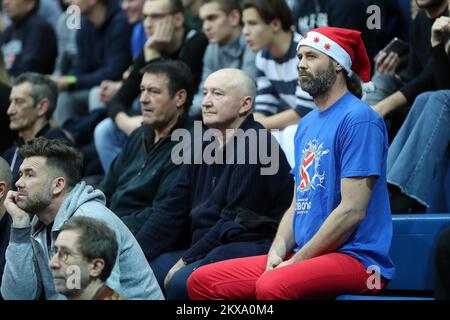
column 169, row 38
column 83, row 257
column 48, row 195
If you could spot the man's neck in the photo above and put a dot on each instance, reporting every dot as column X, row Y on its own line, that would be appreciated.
column 177, row 41
column 164, row 132
column 48, row 215
column 236, row 33
column 329, row 98
column 97, row 14
column 31, row 132
column 2, row 210
column 436, row 11
column 281, row 44
column 90, row 291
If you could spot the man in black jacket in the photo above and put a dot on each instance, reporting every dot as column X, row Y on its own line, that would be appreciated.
column 233, row 204
column 143, row 172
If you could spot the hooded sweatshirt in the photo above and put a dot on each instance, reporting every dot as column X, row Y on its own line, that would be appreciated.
column 27, row 273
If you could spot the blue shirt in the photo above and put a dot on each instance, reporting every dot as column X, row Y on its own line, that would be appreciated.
column 346, row 140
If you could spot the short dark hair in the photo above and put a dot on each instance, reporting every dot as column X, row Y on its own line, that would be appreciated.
column 41, row 88
column 60, row 156
column 226, row 5
column 175, row 6
column 96, row 240
column 270, row 10
column 179, row 75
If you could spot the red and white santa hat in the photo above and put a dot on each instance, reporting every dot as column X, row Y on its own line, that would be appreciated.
column 345, row 46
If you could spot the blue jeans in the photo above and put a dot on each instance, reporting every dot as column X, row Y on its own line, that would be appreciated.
column 109, row 140
column 418, row 149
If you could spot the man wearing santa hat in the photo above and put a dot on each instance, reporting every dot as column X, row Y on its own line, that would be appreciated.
column 336, row 235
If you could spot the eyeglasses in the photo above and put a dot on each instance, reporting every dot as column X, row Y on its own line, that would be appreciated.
column 62, row 254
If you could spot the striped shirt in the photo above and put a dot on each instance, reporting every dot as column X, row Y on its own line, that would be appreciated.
column 277, row 83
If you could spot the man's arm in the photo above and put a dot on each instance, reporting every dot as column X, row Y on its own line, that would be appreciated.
column 391, row 103
column 20, row 279
column 278, row 121
column 342, row 221
column 284, row 241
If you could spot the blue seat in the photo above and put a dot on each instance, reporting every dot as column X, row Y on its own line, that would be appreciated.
column 412, row 251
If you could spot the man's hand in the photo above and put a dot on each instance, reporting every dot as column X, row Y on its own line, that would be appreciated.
column 439, row 30
column 20, row 218
column 108, row 89
column 386, row 63
column 180, row 264
column 128, row 124
column 273, row 260
column 62, row 82
column 160, row 39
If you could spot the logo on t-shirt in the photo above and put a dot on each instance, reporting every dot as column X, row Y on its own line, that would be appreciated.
column 310, row 178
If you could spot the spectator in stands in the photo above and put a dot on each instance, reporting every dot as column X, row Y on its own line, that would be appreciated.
column 32, row 102
column 101, row 39
column 49, row 189
column 143, row 171
column 418, row 151
column 29, row 43
column 5, row 219
column 350, row 14
column 420, row 68
column 442, row 265
column 91, row 246
column 339, row 223
column 268, row 30
column 50, row 10
column 168, row 39
column 233, row 208
column 191, row 9
column 227, row 46
column 7, row 136
column 66, row 32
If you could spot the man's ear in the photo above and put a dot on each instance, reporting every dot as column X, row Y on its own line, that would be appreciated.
column 58, row 185
column 181, row 97
column 246, row 105
column 42, row 107
column 98, row 265
column 234, row 18
column 276, row 25
column 178, row 19
column 3, row 189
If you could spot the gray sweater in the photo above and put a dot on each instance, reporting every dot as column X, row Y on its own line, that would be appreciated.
column 27, row 273
column 234, row 55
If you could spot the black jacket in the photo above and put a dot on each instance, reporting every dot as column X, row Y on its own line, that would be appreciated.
column 141, row 174
column 223, row 203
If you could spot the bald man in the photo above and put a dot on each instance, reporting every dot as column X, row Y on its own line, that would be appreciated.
column 5, row 220
column 229, row 207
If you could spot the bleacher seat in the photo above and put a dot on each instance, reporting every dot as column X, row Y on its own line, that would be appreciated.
column 412, row 250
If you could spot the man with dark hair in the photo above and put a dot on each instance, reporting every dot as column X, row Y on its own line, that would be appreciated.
column 32, row 102
column 84, row 255
column 339, row 226
column 143, row 171
column 29, row 43
column 5, row 220
column 280, row 101
column 169, row 38
column 47, row 196
column 227, row 46
column 101, row 40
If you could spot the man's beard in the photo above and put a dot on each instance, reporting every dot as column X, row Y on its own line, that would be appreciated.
column 320, row 84
column 37, row 202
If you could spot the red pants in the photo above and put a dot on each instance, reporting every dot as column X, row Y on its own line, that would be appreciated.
column 323, row 277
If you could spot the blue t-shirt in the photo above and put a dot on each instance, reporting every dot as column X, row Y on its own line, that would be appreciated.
column 346, row 140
